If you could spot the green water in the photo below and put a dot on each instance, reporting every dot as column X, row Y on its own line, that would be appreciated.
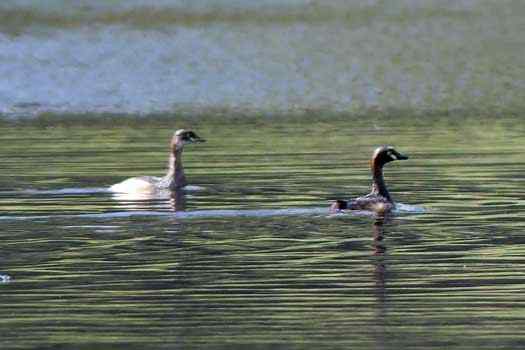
column 253, row 260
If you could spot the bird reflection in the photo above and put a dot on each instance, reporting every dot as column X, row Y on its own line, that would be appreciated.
column 178, row 200
column 378, row 234
column 171, row 200
column 379, row 251
column 380, row 278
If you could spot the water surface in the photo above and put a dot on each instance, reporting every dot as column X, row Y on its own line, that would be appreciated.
column 252, row 257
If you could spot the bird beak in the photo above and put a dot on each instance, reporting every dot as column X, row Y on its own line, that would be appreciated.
column 196, row 139
column 401, row 156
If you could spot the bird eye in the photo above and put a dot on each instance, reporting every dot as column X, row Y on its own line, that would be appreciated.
column 392, row 155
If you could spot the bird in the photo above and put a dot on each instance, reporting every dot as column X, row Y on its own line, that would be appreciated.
column 174, row 179
column 379, row 199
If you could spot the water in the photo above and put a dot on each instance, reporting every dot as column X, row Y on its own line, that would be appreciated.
column 135, row 57
column 250, row 257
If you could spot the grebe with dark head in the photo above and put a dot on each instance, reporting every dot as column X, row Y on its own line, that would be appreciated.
column 379, row 199
column 173, row 180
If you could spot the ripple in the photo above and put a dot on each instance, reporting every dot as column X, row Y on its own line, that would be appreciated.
column 62, row 191
column 217, row 213
column 408, row 208
column 5, row 278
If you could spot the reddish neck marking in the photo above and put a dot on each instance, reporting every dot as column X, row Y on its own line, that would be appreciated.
column 378, row 184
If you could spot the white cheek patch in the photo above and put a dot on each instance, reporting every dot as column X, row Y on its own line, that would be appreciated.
column 392, row 155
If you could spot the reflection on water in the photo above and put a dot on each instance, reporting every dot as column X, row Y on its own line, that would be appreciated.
column 253, row 257
column 380, row 274
column 274, row 57
column 4, row 278
column 175, row 201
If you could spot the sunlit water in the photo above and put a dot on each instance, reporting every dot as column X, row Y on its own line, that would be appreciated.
column 251, row 256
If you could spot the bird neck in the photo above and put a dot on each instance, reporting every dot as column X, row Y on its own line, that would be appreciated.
column 175, row 177
column 378, row 184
